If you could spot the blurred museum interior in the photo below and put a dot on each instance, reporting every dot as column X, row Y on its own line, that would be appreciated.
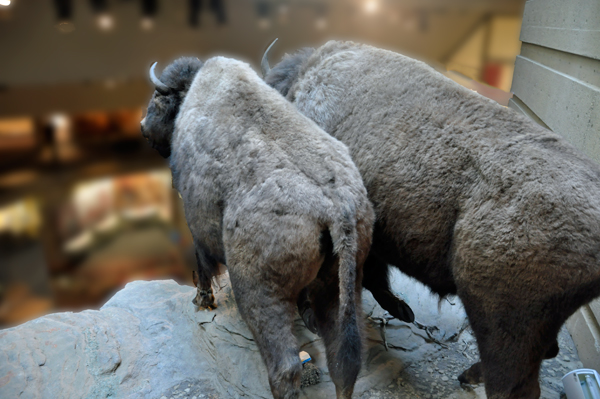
column 85, row 204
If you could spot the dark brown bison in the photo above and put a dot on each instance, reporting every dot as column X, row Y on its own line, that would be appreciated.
column 470, row 198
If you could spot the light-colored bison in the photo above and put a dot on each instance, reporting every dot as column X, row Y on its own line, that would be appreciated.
column 276, row 199
column 470, row 198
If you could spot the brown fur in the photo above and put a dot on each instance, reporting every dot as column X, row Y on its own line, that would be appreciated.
column 471, row 199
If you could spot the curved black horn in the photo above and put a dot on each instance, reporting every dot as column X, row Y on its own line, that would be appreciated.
column 264, row 64
column 158, row 85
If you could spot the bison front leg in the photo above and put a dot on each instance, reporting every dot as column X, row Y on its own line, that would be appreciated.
column 474, row 374
column 207, row 268
column 204, row 298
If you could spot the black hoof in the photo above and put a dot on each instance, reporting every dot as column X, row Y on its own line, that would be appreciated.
column 404, row 312
column 310, row 321
column 395, row 306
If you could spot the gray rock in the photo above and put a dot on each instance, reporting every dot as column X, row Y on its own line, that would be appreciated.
column 148, row 341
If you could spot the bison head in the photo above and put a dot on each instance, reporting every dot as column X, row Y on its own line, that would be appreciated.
column 170, row 90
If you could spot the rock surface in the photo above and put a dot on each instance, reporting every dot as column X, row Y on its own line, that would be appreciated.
column 149, row 341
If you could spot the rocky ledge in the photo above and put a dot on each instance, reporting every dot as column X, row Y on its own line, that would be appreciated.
column 149, row 341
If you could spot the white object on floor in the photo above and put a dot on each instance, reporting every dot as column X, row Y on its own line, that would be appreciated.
column 582, row 384
column 305, row 357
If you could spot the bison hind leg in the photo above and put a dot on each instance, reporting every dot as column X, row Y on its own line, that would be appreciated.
column 270, row 318
column 395, row 306
column 552, row 352
column 376, row 279
column 511, row 349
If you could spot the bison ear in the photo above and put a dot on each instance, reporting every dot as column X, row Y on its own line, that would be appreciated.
column 283, row 75
column 195, row 278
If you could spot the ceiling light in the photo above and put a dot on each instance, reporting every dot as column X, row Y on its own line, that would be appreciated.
column 264, row 23
column 321, row 23
column 321, row 17
column 105, row 21
column 4, row 2
column 371, row 6
column 147, row 23
column 59, row 121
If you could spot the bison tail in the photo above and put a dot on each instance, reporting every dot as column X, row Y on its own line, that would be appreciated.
column 349, row 351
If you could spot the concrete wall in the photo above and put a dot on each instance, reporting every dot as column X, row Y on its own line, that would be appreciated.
column 557, row 83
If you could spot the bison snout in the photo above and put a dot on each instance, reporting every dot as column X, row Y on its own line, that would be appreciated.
column 143, row 128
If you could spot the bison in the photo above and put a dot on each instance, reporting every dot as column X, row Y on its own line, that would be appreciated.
column 471, row 198
column 276, row 199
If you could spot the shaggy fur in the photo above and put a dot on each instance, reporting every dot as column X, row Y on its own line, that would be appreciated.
column 471, row 199
column 163, row 109
column 279, row 201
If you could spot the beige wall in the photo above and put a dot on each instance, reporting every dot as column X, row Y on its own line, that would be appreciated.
column 495, row 40
column 557, row 83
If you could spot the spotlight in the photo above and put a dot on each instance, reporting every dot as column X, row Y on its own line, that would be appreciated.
column 147, row 23
column 59, row 121
column 321, row 23
column 371, row 6
column 5, row 3
column 105, row 21
column 264, row 23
